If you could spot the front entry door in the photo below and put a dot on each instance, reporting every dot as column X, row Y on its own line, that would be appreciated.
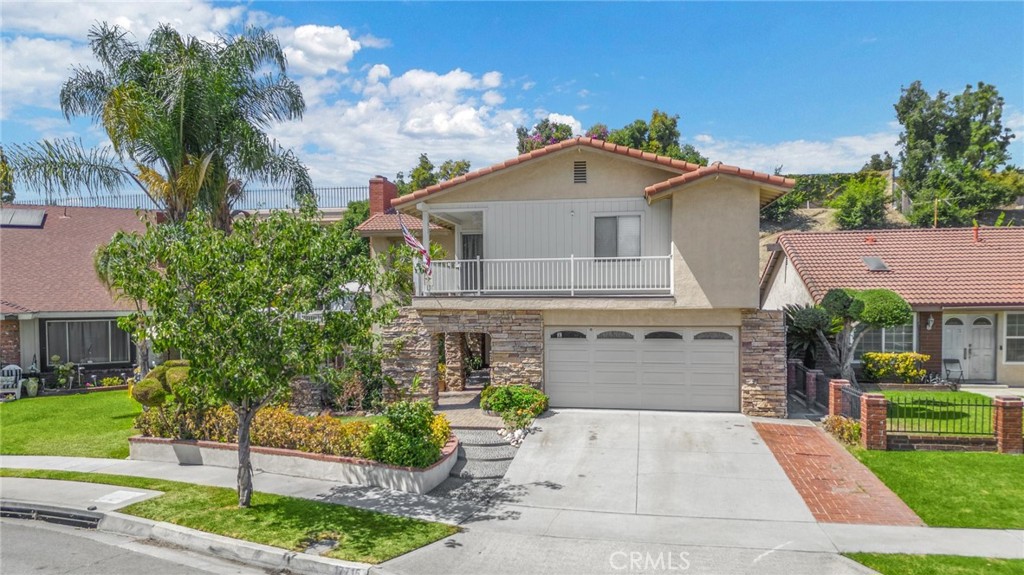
column 971, row 339
column 981, row 349
column 472, row 270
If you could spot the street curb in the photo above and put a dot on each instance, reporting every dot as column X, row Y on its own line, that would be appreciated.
column 201, row 542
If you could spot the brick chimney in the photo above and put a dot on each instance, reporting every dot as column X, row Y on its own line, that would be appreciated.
column 381, row 193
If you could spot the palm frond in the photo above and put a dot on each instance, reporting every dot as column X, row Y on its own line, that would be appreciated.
column 63, row 166
column 84, row 93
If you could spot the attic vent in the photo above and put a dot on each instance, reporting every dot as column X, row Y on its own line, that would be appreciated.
column 579, row 172
column 875, row 264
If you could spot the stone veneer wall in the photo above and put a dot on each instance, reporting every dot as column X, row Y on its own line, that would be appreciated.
column 516, row 354
column 763, row 364
column 454, row 352
column 10, row 343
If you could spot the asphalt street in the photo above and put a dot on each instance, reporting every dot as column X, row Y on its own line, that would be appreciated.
column 34, row 547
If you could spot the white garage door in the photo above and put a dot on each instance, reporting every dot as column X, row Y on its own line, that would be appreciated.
column 643, row 368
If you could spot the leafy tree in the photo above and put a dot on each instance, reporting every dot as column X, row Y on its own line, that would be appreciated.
column 660, row 136
column 251, row 309
column 947, row 147
column 802, row 325
column 861, row 204
column 355, row 214
column 544, row 133
column 855, row 312
column 185, row 119
column 6, row 180
column 425, row 174
column 599, row 131
column 879, row 163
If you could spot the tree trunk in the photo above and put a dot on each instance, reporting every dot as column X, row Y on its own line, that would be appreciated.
column 245, row 417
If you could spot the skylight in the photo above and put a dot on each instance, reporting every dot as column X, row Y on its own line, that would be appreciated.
column 875, row 264
column 21, row 218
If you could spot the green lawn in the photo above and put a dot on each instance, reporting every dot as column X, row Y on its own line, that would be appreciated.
column 87, row 425
column 285, row 522
column 937, row 564
column 951, row 489
column 939, row 412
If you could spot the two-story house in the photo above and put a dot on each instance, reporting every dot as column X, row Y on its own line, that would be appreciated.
column 607, row 276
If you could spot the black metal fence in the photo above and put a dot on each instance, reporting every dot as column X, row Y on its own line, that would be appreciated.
column 267, row 199
column 811, row 387
column 935, row 414
column 850, row 403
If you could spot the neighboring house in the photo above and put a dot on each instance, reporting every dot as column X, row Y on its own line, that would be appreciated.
column 966, row 286
column 607, row 276
column 51, row 301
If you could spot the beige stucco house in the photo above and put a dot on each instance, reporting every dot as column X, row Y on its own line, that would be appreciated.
column 607, row 276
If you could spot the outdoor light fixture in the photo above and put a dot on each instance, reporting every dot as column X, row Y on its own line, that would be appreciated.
column 931, row 322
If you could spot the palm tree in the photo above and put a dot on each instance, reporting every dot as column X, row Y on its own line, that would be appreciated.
column 185, row 119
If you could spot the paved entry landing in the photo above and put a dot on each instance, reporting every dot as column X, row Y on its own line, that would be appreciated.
column 704, row 465
column 837, row 487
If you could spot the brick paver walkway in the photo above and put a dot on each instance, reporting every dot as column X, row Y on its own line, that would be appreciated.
column 836, row 487
column 463, row 410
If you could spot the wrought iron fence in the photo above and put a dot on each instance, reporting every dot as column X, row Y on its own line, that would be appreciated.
column 821, row 391
column 934, row 414
column 850, row 403
column 255, row 199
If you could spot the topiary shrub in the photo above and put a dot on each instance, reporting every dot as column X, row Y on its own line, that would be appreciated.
column 904, row 366
column 150, row 393
column 406, row 436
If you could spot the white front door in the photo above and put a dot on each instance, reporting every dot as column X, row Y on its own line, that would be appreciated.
column 972, row 340
column 981, row 349
column 643, row 368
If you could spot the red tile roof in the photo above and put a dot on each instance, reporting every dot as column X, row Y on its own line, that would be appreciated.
column 671, row 163
column 722, row 169
column 50, row 269
column 389, row 223
column 940, row 267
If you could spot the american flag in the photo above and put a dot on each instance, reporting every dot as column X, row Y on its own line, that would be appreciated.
column 415, row 244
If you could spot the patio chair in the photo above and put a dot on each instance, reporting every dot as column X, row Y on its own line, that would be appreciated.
column 10, row 381
column 953, row 369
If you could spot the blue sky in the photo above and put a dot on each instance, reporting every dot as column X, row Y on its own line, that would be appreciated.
column 809, row 86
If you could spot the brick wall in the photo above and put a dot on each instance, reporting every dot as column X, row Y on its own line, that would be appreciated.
column 763, row 364
column 929, row 341
column 10, row 342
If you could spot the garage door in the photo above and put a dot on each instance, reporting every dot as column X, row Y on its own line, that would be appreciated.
column 642, row 368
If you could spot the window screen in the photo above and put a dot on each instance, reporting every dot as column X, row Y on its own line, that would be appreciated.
column 617, row 236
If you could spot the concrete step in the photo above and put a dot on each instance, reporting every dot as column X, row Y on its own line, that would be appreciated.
column 502, row 452
column 480, row 438
column 473, row 469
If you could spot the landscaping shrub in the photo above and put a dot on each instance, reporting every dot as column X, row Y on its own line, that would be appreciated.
column 406, row 437
column 485, row 397
column 904, row 366
column 843, row 428
column 511, row 398
column 440, row 431
column 150, row 393
column 273, row 427
column 111, row 381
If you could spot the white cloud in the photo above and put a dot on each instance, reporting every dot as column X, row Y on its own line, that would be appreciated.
column 315, row 49
column 371, row 41
column 583, row 93
column 842, row 154
column 493, row 98
column 491, row 80
column 577, row 127
column 528, row 85
column 34, row 70
column 1015, row 122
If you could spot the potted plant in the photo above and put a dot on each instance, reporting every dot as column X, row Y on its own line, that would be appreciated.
column 31, row 385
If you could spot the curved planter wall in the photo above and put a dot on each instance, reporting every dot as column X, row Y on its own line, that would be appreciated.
column 348, row 470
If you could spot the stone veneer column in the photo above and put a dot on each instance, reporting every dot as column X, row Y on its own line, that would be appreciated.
column 835, row 395
column 763, row 364
column 873, row 411
column 1006, row 422
column 410, row 349
column 454, row 348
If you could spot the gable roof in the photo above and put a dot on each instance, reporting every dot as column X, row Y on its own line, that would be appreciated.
column 663, row 161
column 385, row 222
column 928, row 267
column 718, row 168
column 50, row 268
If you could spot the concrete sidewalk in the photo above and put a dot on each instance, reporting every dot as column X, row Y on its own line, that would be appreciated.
column 497, row 531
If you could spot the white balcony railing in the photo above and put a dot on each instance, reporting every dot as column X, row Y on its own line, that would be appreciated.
column 573, row 276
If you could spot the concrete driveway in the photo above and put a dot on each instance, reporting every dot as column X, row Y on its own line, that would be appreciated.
column 602, row 491
column 654, row 463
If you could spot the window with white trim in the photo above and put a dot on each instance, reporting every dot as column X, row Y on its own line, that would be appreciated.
column 897, row 339
column 617, row 237
column 1015, row 338
column 87, row 341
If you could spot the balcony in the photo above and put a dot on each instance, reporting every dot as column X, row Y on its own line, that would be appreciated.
column 571, row 276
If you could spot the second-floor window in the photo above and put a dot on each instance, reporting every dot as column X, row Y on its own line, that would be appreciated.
column 617, row 237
